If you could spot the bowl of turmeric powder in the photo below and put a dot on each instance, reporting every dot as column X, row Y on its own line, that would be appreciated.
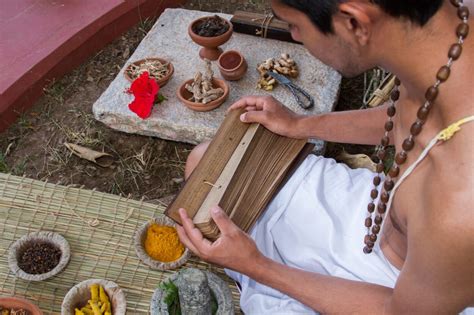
column 158, row 246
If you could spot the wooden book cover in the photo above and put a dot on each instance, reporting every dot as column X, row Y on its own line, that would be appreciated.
column 261, row 25
column 241, row 171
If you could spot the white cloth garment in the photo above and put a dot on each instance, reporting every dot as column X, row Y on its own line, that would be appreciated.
column 316, row 223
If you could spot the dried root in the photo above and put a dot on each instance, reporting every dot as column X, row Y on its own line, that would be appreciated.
column 155, row 68
column 202, row 88
column 284, row 65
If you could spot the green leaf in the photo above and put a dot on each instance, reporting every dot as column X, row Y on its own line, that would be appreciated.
column 161, row 98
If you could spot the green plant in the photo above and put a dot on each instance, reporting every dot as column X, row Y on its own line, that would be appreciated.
column 170, row 291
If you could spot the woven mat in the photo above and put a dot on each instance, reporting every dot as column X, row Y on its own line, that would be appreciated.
column 104, row 251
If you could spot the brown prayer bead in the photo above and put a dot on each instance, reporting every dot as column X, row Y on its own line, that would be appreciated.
column 366, row 239
column 374, row 193
column 388, row 185
column 385, row 141
column 443, row 73
column 377, row 181
column 380, row 167
column 416, row 128
column 389, row 126
column 371, row 207
column 455, row 3
column 367, row 250
column 401, row 157
column 462, row 30
column 391, row 111
column 381, row 208
column 408, row 144
column 397, row 81
column 385, row 197
column 394, row 171
column 373, row 238
column 395, row 95
column 378, row 220
column 381, row 154
column 463, row 12
column 368, row 222
column 455, row 51
column 431, row 93
column 376, row 229
column 370, row 244
column 423, row 113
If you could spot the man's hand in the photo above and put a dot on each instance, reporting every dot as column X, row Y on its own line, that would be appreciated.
column 267, row 111
column 233, row 249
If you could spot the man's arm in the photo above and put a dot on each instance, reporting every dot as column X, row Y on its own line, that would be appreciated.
column 356, row 126
column 435, row 277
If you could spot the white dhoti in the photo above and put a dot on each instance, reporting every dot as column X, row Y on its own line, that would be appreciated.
column 316, row 223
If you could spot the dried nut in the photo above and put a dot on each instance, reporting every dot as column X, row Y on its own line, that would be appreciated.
column 285, row 56
column 271, row 82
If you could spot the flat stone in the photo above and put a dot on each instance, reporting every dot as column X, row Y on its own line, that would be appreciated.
column 171, row 120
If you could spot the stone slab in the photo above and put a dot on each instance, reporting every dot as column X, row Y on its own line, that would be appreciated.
column 171, row 120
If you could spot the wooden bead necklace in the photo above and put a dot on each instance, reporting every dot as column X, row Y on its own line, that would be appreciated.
column 375, row 217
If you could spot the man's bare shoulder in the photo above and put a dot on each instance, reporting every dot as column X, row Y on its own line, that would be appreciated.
column 449, row 191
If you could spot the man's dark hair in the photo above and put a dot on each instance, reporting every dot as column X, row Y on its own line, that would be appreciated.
column 321, row 11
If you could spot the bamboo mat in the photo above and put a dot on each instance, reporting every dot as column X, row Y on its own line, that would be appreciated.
column 99, row 228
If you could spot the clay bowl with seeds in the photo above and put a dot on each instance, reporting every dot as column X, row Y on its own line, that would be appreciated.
column 139, row 243
column 160, row 69
column 18, row 305
column 186, row 96
column 210, row 32
column 39, row 256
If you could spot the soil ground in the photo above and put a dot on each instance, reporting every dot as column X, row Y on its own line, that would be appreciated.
column 144, row 167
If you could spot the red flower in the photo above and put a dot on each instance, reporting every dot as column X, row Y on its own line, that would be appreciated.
column 145, row 90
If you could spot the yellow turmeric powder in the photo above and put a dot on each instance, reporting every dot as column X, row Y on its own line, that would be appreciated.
column 162, row 243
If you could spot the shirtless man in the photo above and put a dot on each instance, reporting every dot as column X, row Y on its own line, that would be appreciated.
column 427, row 241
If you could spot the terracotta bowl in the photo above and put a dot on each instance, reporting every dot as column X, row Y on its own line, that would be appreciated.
column 184, row 96
column 211, row 45
column 79, row 294
column 232, row 65
column 162, row 82
column 18, row 247
column 19, row 303
column 139, row 240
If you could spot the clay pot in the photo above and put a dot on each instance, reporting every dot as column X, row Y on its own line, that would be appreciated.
column 232, row 65
column 18, row 303
column 139, row 240
column 162, row 82
column 184, row 96
column 210, row 45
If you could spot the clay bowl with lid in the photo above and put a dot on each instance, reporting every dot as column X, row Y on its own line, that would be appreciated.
column 161, row 82
column 18, row 248
column 19, row 303
column 139, row 241
column 79, row 295
column 211, row 44
column 232, row 65
column 184, row 95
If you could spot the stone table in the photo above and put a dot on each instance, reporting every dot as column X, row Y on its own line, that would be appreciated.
column 171, row 120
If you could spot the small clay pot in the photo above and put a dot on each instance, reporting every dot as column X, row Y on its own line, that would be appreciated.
column 17, row 248
column 184, row 96
column 210, row 45
column 80, row 294
column 232, row 65
column 139, row 240
column 162, row 82
column 19, row 303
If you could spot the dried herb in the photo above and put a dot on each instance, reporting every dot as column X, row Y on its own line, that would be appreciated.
column 39, row 257
column 170, row 291
column 210, row 27
column 11, row 311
